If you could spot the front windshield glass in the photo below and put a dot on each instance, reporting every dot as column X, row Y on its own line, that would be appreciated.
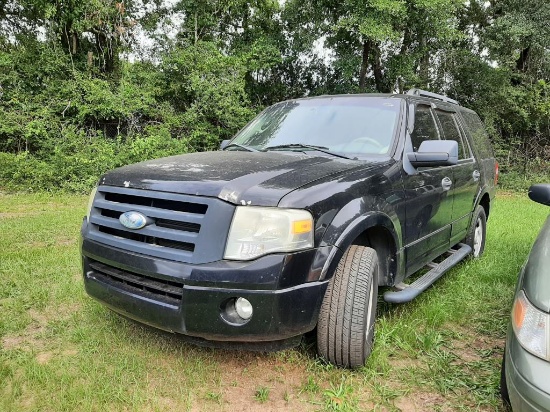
column 348, row 125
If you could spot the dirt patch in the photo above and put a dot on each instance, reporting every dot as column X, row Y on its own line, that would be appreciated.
column 30, row 338
column 38, row 244
column 405, row 363
column 423, row 401
column 473, row 347
column 66, row 241
column 245, row 376
column 44, row 357
column 27, row 339
column 230, row 384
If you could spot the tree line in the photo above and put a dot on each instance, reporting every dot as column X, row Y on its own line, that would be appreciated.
column 88, row 85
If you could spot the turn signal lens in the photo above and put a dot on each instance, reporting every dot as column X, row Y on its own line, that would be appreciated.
column 302, row 226
column 518, row 312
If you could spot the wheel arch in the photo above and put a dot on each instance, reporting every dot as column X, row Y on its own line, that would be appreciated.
column 374, row 230
column 483, row 199
column 485, row 202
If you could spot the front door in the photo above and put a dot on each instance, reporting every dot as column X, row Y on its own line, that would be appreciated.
column 429, row 203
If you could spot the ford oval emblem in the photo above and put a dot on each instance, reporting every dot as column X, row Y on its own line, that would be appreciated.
column 133, row 220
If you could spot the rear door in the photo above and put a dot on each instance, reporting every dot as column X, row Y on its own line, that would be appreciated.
column 481, row 146
column 466, row 174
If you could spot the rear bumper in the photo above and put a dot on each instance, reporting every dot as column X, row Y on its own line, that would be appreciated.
column 285, row 297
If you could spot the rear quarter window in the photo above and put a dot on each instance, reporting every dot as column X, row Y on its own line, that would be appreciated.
column 478, row 134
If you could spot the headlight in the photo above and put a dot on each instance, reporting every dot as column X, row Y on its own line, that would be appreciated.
column 256, row 231
column 90, row 203
column 531, row 326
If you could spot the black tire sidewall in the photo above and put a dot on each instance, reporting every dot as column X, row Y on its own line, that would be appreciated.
column 373, row 288
column 345, row 330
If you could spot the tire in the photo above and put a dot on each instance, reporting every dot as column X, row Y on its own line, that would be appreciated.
column 503, row 387
column 477, row 232
column 345, row 329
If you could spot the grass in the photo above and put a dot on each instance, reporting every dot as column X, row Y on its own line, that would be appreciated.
column 262, row 394
column 62, row 351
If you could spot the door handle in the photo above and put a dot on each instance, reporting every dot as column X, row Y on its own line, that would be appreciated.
column 476, row 175
column 446, row 183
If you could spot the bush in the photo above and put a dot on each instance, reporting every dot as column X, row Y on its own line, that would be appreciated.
column 76, row 163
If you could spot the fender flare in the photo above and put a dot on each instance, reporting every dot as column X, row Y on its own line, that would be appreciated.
column 351, row 232
column 484, row 190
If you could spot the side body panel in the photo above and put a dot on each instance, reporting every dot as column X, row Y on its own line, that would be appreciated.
column 464, row 191
column 351, row 204
column 429, row 209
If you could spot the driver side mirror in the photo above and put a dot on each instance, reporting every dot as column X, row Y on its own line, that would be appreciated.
column 433, row 153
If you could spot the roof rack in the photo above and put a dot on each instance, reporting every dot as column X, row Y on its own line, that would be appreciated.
column 424, row 93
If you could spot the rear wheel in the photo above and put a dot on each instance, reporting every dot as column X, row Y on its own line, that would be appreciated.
column 345, row 330
column 477, row 232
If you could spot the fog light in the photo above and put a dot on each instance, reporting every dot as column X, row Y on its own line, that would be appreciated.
column 243, row 308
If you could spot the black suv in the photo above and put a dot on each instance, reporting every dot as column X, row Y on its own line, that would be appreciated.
column 295, row 223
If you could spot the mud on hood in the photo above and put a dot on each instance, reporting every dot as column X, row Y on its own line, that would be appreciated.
column 255, row 178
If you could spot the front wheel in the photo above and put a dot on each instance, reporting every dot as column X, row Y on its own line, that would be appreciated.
column 345, row 330
column 477, row 232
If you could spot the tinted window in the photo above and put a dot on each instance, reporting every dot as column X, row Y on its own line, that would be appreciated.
column 346, row 125
column 451, row 132
column 478, row 134
column 424, row 126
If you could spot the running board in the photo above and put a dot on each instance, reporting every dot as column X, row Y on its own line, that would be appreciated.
column 409, row 292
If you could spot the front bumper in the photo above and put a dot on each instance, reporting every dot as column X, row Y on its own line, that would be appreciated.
column 282, row 289
column 526, row 378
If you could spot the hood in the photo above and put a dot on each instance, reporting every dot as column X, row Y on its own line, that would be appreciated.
column 256, row 178
column 536, row 277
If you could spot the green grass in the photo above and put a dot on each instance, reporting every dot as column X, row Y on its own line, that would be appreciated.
column 62, row 351
column 262, row 394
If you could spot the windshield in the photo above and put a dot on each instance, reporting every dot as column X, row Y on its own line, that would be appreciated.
column 349, row 125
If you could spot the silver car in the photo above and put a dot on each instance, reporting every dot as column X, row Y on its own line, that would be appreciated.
column 525, row 377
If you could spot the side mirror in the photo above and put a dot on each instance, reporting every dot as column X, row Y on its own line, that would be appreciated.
column 432, row 153
column 224, row 144
column 540, row 193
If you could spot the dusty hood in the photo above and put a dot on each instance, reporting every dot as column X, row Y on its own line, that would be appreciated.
column 256, row 178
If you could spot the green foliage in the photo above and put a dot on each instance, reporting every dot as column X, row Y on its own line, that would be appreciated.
column 80, row 94
column 262, row 394
column 63, row 133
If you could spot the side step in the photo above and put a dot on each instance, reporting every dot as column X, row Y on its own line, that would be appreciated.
column 409, row 292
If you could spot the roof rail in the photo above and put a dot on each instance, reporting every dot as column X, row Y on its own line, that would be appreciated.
column 424, row 93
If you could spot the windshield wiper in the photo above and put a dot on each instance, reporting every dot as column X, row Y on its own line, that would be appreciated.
column 323, row 149
column 248, row 148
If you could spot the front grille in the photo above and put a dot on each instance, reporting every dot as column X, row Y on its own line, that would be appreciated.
column 190, row 247
column 172, row 224
column 182, row 228
column 156, row 202
column 153, row 288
